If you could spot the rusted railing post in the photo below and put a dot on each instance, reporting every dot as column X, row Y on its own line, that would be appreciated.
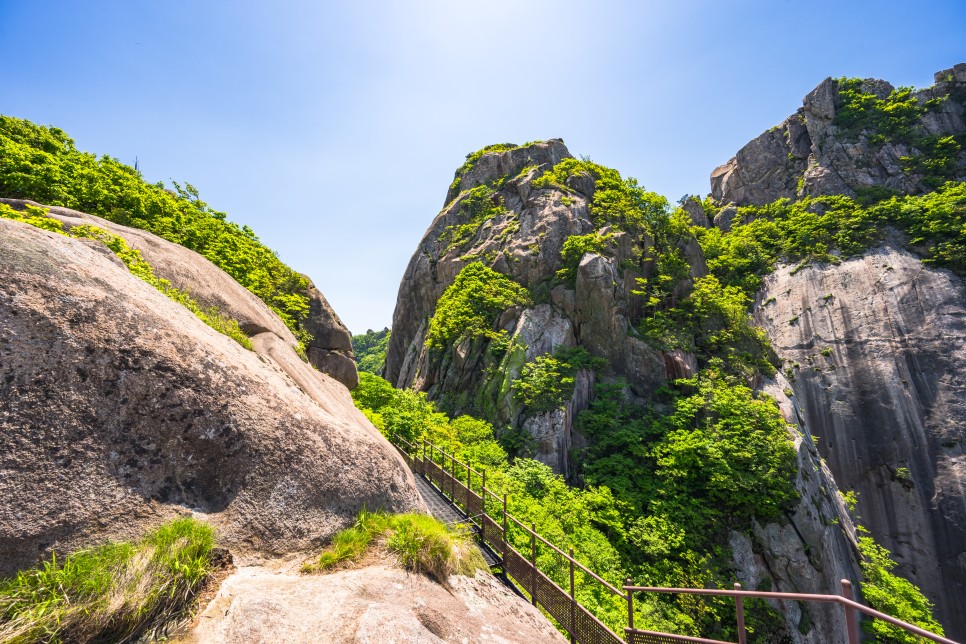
column 483, row 506
column 506, row 539
column 533, row 560
column 630, row 610
column 850, row 621
column 573, row 600
column 740, row 609
column 423, row 464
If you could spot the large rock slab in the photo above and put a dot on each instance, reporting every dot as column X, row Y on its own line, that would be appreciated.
column 120, row 408
column 877, row 349
column 379, row 603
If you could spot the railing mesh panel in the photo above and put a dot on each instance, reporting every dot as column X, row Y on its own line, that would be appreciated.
column 474, row 505
column 554, row 600
column 492, row 532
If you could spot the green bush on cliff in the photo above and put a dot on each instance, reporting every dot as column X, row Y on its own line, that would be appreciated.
column 131, row 257
column 477, row 206
column 109, row 593
column 827, row 229
column 891, row 594
column 548, row 382
column 574, row 249
column 369, row 349
column 618, row 202
column 473, row 157
column 470, row 306
column 41, row 163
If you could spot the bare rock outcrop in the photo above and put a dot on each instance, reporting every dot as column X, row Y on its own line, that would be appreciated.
column 330, row 349
column 811, row 154
column 120, row 408
column 524, row 243
column 876, row 351
column 378, row 603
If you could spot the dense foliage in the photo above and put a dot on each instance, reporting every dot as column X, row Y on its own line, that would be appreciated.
column 548, row 382
column 369, row 349
column 111, row 593
column 41, row 163
column 132, row 258
column 470, row 305
column 829, row 228
column 574, row 249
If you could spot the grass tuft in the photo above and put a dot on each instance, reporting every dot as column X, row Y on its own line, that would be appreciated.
column 420, row 543
column 113, row 592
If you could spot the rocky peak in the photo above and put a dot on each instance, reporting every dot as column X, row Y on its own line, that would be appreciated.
column 841, row 143
column 502, row 160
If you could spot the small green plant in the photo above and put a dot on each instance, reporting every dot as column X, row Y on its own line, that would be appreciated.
column 420, row 543
column 793, row 321
column 112, row 592
column 477, row 206
column 851, row 499
column 827, row 351
column 788, row 391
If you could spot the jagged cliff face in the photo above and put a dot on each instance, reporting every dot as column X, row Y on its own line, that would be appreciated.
column 813, row 153
column 876, row 350
column 523, row 242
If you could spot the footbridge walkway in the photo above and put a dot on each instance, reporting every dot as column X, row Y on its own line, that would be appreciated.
column 551, row 578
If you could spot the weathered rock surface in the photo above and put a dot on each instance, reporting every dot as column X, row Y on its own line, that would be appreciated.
column 330, row 349
column 119, row 408
column 808, row 154
column 811, row 552
column 524, row 243
column 877, row 347
column 379, row 603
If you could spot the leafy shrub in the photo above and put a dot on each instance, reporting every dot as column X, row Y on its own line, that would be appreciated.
column 897, row 118
column 111, row 592
column 471, row 304
column 891, row 594
column 824, row 229
column 369, row 349
column 574, row 249
column 621, row 203
column 42, row 164
column 548, row 382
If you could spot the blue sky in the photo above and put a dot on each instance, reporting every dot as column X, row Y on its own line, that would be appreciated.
column 333, row 129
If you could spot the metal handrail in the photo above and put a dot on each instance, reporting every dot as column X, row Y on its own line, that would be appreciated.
column 627, row 591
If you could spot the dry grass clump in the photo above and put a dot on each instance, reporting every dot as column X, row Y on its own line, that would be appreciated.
column 419, row 542
column 115, row 592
